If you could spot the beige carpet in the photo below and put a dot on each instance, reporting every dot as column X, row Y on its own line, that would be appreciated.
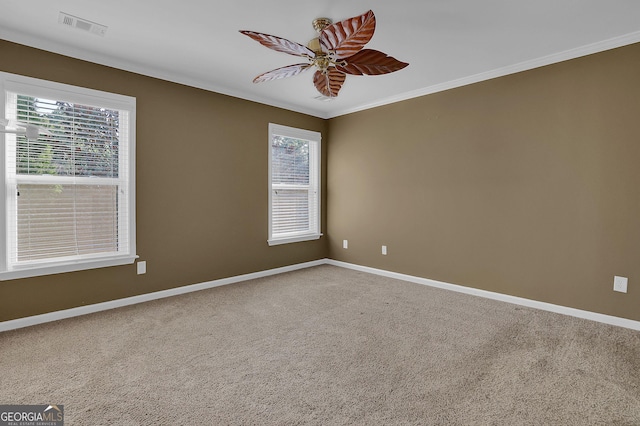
column 326, row 346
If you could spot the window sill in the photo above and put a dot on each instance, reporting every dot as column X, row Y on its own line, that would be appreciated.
column 293, row 239
column 71, row 266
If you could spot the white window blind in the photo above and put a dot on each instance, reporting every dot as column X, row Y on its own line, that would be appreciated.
column 294, row 184
column 69, row 201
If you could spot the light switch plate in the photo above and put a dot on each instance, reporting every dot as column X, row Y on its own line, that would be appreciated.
column 142, row 267
column 620, row 284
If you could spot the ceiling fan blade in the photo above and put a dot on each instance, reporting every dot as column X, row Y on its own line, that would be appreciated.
column 371, row 62
column 284, row 72
column 11, row 127
column 31, row 131
column 280, row 44
column 348, row 37
column 329, row 82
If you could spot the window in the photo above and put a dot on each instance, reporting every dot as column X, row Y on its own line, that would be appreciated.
column 294, row 185
column 67, row 170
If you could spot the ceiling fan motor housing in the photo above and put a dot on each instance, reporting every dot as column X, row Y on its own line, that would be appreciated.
column 319, row 24
column 314, row 44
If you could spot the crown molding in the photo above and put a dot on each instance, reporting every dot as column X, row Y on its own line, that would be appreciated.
column 566, row 55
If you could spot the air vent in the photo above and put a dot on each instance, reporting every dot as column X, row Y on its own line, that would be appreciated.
column 81, row 24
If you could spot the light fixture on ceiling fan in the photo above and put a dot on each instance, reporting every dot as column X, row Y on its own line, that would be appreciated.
column 31, row 131
column 337, row 51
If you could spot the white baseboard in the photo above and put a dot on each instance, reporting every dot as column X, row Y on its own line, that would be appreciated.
column 89, row 309
column 84, row 310
column 593, row 316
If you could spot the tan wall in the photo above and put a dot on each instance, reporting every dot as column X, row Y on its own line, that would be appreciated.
column 526, row 185
column 201, row 188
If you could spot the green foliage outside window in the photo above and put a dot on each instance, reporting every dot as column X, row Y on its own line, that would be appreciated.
column 81, row 140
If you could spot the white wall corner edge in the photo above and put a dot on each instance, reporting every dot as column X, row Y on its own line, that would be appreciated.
column 98, row 307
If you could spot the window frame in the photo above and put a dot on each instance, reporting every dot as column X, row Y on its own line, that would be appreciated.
column 315, row 184
column 51, row 90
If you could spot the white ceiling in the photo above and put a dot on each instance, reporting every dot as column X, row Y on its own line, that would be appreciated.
column 448, row 43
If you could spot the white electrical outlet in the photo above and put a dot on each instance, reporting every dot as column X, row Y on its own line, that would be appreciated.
column 384, row 250
column 345, row 244
column 142, row 267
column 620, row 284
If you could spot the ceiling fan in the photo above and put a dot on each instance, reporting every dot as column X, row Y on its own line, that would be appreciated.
column 337, row 51
column 31, row 131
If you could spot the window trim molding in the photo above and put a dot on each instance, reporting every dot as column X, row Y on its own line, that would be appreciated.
column 299, row 238
column 316, row 138
column 70, row 266
column 59, row 91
